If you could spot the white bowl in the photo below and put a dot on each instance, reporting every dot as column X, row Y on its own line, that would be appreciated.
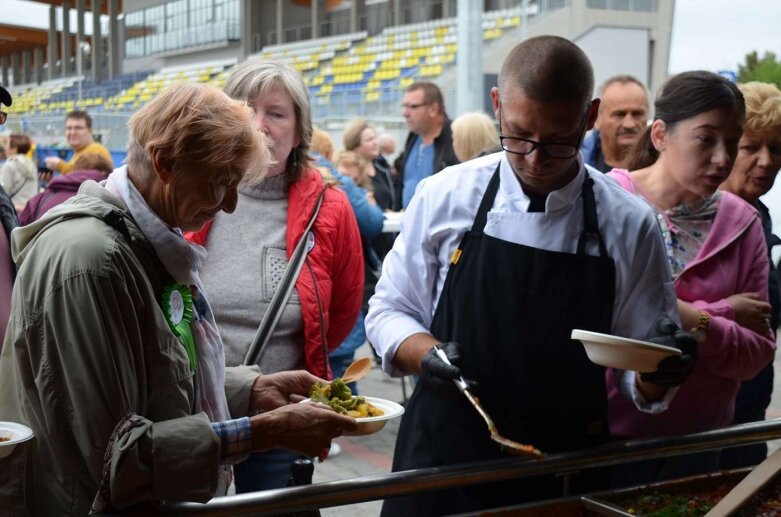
column 17, row 433
column 372, row 424
column 623, row 353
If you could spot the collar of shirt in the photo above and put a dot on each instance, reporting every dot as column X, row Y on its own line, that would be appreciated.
column 516, row 200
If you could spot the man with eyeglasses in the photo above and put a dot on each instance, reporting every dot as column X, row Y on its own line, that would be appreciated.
column 498, row 260
column 429, row 146
column 78, row 131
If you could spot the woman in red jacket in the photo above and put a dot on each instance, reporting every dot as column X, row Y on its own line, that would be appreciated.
column 249, row 250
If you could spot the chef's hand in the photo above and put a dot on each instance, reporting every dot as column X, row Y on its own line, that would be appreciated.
column 437, row 375
column 304, row 428
column 672, row 371
column 279, row 389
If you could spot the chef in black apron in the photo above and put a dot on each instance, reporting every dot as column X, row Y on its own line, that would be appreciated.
column 485, row 307
column 509, row 308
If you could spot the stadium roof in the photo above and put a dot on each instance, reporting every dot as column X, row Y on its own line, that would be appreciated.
column 87, row 4
column 27, row 27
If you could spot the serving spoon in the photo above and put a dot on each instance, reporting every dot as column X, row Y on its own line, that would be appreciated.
column 357, row 370
column 508, row 445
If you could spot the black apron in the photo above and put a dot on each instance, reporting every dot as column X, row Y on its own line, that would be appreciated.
column 512, row 307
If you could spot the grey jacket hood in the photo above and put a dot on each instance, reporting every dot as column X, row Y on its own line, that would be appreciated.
column 93, row 200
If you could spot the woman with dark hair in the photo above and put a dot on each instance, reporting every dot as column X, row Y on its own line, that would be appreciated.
column 717, row 255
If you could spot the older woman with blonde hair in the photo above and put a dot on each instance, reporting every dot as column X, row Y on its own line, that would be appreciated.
column 753, row 174
column 112, row 356
column 250, row 250
column 474, row 134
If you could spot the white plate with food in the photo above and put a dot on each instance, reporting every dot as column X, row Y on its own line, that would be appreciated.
column 371, row 413
column 623, row 353
column 372, row 424
column 12, row 434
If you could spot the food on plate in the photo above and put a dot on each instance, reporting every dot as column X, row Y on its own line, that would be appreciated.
column 339, row 397
column 4, row 438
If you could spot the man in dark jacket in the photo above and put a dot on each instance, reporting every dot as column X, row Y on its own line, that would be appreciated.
column 8, row 217
column 8, row 221
column 623, row 114
column 429, row 146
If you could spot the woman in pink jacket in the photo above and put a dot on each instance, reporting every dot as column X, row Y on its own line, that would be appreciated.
column 718, row 259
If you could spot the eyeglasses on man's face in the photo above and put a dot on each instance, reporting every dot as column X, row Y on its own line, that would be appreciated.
column 526, row 146
column 3, row 117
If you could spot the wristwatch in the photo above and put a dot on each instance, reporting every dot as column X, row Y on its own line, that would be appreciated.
column 701, row 330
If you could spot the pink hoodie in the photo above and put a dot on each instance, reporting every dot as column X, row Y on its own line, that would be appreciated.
column 732, row 260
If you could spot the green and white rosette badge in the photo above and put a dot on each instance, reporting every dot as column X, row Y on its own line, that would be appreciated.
column 178, row 310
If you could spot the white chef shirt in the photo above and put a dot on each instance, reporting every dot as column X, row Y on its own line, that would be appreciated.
column 443, row 209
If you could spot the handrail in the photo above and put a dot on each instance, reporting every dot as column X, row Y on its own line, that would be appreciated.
column 349, row 491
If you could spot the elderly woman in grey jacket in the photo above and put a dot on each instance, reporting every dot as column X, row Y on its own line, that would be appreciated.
column 112, row 356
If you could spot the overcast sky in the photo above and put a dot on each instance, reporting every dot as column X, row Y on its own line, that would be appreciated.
column 717, row 34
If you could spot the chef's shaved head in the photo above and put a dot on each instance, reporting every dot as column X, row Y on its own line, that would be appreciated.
column 548, row 69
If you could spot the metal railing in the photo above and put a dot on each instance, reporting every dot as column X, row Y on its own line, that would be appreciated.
column 337, row 493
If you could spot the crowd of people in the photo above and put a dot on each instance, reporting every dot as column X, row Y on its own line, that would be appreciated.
column 159, row 340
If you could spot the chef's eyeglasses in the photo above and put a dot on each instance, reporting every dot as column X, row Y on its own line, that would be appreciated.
column 3, row 117
column 526, row 146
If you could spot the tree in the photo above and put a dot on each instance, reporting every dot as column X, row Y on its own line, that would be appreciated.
column 766, row 69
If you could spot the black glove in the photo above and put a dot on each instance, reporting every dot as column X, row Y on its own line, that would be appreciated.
column 673, row 371
column 438, row 376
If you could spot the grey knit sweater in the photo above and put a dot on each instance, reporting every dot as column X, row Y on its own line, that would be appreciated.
column 247, row 258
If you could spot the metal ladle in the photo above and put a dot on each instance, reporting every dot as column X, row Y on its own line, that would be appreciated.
column 510, row 446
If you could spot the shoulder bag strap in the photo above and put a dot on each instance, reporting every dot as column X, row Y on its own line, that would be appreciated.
column 284, row 290
column 15, row 192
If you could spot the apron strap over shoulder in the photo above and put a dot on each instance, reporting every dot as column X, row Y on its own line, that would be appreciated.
column 590, row 219
column 486, row 203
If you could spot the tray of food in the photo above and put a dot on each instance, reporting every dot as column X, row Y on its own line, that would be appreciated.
column 686, row 497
